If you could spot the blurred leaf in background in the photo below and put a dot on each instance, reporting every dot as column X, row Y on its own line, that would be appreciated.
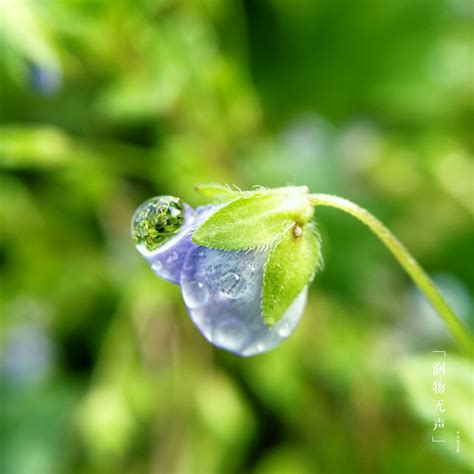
column 104, row 104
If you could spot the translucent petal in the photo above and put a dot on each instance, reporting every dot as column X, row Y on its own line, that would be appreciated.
column 222, row 291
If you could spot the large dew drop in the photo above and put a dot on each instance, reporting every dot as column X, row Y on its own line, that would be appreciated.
column 162, row 228
column 223, row 292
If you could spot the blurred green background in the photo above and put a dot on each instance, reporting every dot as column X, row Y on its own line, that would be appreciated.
column 107, row 103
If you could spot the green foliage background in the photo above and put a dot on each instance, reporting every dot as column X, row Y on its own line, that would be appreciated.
column 107, row 103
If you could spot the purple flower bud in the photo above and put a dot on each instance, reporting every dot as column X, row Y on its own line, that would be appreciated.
column 223, row 291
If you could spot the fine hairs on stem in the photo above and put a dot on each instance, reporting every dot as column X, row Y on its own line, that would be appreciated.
column 411, row 266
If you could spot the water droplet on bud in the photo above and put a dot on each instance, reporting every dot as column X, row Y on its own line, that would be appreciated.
column 157, row 220
column 195, row 294
column 231, row 285
column 161, row 228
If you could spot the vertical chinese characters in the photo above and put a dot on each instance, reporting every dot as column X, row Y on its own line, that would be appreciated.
column 439, row 388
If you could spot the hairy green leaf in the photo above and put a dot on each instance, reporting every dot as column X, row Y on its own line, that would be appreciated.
column 218, row 192
column 251, row 221
column 291, row 266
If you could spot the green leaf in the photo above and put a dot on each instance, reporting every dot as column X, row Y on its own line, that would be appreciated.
column 254, row 220
column 218, row 192
column 416, row 375
column 291, row 266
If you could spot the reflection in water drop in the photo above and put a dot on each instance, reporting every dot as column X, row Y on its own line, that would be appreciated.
column 157, row 220
column 166, row 256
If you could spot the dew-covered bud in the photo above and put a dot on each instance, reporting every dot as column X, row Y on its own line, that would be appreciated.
column 222, row 289
column 161, row 228
column 223, row 293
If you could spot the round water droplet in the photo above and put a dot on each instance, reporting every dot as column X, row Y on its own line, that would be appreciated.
column 195, row 294
column 166, row 254
column 229, row 333
column 157, row 220
column 231, row 285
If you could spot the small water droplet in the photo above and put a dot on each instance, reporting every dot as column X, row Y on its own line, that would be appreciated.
column 230, row 334
column 231, row 284
column 157, row 221
column 195, row 294
column 157, row 266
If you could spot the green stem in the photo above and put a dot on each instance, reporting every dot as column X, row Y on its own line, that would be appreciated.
column 411, row 266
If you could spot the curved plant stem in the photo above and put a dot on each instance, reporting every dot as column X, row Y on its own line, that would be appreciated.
column 411, row 266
